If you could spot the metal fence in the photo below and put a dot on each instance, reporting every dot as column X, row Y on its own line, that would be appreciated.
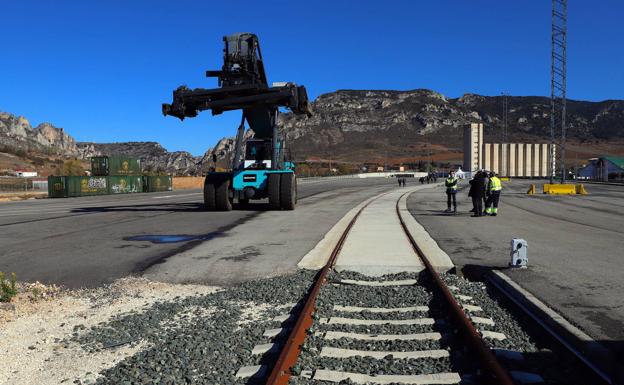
column 16, row 185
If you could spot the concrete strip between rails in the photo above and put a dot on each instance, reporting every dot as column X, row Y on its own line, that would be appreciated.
column 416, row 354
column 420, row 379
column 377, row 244
column 366, row 248
column 383, row 337
column 316, row 258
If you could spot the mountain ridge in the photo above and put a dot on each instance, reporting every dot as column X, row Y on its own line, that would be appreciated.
column 360, row 126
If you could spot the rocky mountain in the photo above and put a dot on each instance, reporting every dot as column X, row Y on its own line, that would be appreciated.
column 154, row 157
column 360, row 125
column 17, row 134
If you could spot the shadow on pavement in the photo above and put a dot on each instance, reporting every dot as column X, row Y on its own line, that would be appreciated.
column 170, row 207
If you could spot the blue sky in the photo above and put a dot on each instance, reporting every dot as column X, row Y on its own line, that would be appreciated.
column 102, row 69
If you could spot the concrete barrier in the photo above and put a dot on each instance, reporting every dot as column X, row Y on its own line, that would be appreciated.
column 565, row 189
column 188, row 182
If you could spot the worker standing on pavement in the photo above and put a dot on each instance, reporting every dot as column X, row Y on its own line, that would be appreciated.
column 451, row 192
column 486, row 190
column 477, row 192
column 494, row 188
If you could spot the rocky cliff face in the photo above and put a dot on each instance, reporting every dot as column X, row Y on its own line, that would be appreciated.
column 153, row 156
column 357, row 125
column 17, row 133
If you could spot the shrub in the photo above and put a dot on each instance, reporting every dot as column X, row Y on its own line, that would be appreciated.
column 7, row 288
column 72, row 167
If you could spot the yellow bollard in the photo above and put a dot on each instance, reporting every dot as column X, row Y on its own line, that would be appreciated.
column 580, row 189
column 531, row 190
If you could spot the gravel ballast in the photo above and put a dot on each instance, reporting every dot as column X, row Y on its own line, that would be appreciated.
column 196, row 349
column 538, row 358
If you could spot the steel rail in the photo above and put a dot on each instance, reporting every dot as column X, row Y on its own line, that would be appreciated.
column 281, row 372
column 495, row 372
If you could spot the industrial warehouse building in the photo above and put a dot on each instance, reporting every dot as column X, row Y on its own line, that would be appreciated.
column 506, row 159
column 604, row 168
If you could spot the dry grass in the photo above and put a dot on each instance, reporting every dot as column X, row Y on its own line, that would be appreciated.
column 188, row 182
column 20, row 196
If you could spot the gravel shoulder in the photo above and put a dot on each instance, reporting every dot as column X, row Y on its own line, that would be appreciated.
column 35, row 347
column 140, row 332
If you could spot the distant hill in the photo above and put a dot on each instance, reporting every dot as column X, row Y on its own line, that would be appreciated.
column 363, row 126
column 360, row 125
column 16, row 133
column 154, row 157
column 43, row 146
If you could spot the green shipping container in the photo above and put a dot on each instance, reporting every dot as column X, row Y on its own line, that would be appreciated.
column 121, row 184
column 77, row 186
column 57, row 186
column 115, row 165
column 154, row 183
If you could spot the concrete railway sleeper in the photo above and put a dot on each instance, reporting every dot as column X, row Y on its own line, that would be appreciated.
column 407, row 327
column 400, row 297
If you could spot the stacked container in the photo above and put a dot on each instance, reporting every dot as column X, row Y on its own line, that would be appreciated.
column 115, row 166
column 123, row 172
column 155, row 183
column 110, row 175
column 77, row 186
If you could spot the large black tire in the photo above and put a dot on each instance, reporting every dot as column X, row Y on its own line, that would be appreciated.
column 222, row 195
column 288, row 191
column 273, row 186
column 210, row 202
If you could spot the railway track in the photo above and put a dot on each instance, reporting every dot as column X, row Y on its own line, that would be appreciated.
column 406, row 327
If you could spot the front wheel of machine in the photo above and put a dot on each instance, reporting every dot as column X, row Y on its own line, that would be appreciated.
column 273, row 186
column 288, row 191
column 210, row 202
column 222, row 195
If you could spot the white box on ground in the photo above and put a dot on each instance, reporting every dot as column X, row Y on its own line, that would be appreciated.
column 519, row 256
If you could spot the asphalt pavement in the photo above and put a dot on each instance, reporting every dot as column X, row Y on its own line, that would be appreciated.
column 575, row 248
column 90, row 241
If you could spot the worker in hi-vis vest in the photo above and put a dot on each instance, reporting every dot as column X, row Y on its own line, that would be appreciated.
column 451, row 192
column 493, row 190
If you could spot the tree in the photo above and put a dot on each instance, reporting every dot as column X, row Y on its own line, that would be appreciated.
column 72, row 167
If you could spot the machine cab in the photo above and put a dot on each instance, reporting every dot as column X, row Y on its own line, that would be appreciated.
column 257, row 154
